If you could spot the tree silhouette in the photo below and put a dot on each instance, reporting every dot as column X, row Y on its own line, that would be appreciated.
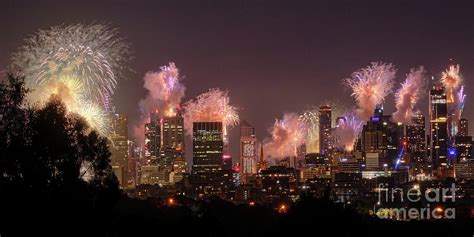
column 43, row 154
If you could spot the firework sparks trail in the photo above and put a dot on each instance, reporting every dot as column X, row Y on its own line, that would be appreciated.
column 310, row 116
column 80, row 63
column 347, row 131
column 212, row 106
column 409, row 94
column 165, row 92
column 287, row 135
column 311, row 119
column 457, row 111
column 370, row 86
column 460, row 102
column 451, row 80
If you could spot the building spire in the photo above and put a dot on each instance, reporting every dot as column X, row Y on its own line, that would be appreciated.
column 262, row 160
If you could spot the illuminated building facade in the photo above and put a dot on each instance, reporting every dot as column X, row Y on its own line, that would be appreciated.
column 463, row 148
column 464, row 170
column 164, row 143
column 325, row 142
column 438, row 127
column 463, row 127
column 207, row 147
column 346, row 186
column 278, row 181
column 381, row 135
column 119, row 147
column 416, row 144
column 152, row 137
column 209, row 176
column 248, row 151
column 172, row 145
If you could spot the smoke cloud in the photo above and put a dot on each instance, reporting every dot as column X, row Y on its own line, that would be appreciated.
column 165, row 93
column 287, row 134
column 408, row 95
column 370, row 86
column 346, row 132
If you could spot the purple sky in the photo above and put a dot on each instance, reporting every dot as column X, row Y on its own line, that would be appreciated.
column 272, row 56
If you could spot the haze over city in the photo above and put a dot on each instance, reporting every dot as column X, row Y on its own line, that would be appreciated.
column 236, row 118
column 272, row 57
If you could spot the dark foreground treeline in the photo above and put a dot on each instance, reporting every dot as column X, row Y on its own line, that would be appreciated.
column 56, row 180
column 211, row 217
column 307, row 217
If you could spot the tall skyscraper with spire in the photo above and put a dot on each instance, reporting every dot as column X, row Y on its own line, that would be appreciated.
column 438, row 113
column 262, row 164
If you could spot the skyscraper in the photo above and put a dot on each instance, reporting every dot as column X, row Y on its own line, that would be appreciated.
column 119, row 147
column 172, row 144
column 153, row 137
column 463, row 127
column 207, row 147
column 463, row 142
column 416, row 147
column 248, row 151
column 164, row 143
column 374, row 140
column 438, row 126
column 209, row 173
column 382, row 136
column 325, row 144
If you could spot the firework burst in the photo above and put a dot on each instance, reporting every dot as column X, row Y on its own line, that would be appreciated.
column 165, row 92
column 408, row 95
column 346, row 132
column 80, row 63
column 457, row 111
column 370, row 86
column 311, row 119
column 451, row 80
column 287, row 135
column 212, row 106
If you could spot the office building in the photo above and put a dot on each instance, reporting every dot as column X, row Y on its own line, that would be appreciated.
column 383, row 136
column 153, row 137
column 172, row 146
column 325, row 142
column 463, row 150
column 416, row 144
column 248, row 151
column 463, row 127
column 119, row 147
column 207, row 147
column 209, row 175
column 438, row 127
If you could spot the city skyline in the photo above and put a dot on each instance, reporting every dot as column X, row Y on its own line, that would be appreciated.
column 275, row 79
column 236, row 118
column 84, row 65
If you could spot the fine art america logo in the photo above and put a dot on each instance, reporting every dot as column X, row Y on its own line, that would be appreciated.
column 415, row 204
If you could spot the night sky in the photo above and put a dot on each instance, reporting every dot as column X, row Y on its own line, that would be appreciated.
column 272, row 56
